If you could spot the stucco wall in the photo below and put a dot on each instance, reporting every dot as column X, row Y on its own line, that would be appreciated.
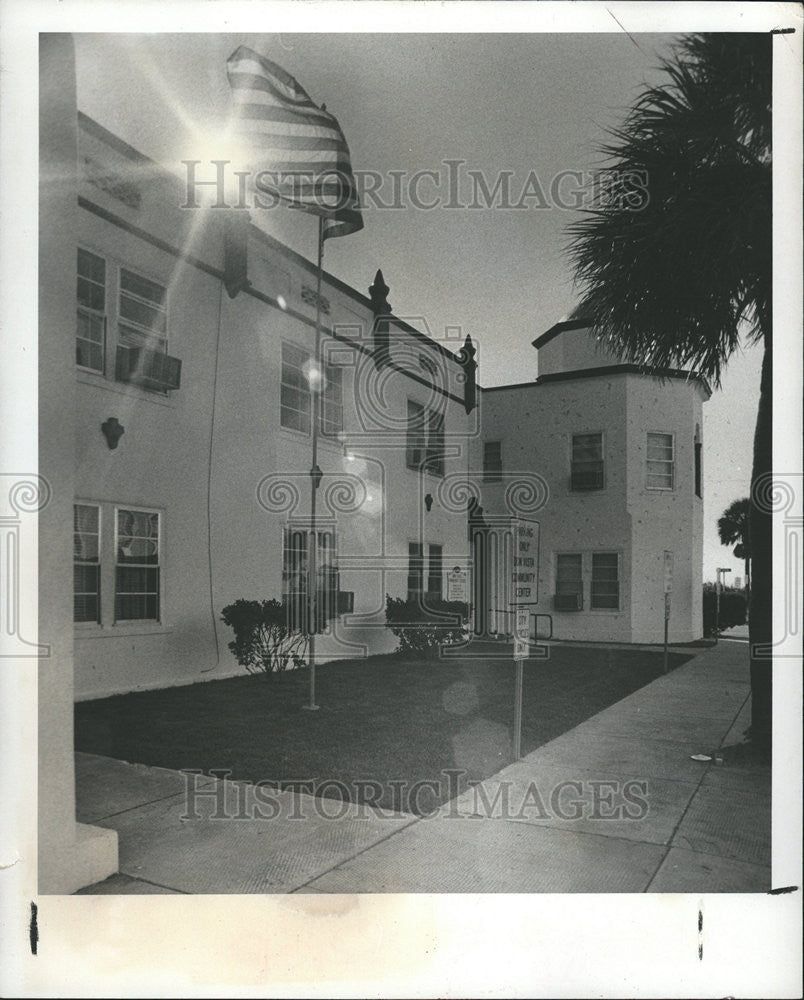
column 572, row 350
column 665, row 520
column 535, row 424
column 199, row 454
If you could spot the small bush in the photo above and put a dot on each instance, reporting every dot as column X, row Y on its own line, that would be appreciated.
column 264, row 643
column 732, row 608
column 421, row 627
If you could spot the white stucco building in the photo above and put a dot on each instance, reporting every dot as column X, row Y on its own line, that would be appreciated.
column 619, row 450
column 203, row 497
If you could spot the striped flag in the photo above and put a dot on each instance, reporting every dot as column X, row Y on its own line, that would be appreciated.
column 298, row 146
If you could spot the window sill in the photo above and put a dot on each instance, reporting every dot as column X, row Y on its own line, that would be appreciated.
column 87, row 377
column 335, row 440
column 86, row 630
column 425, row 472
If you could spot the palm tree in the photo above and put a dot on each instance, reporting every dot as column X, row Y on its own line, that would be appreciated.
column 676, row 262
column 734, row 528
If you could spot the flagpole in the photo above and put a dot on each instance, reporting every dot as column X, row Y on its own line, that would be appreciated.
column 315, row 473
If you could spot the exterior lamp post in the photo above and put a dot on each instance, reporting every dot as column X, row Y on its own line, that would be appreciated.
column 315, row 377
column 263, row 91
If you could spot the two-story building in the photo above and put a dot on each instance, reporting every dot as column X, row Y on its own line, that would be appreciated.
column 619, row 451
column 193, row 434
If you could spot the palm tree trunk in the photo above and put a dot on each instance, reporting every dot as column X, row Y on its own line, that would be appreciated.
column 761, row 600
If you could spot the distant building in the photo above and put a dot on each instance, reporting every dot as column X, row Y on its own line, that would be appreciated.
column 619, row 449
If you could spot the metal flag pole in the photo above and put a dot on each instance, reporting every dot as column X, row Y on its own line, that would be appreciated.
column 316, row 378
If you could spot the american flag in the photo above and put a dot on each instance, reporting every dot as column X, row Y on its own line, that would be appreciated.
column 297, row 144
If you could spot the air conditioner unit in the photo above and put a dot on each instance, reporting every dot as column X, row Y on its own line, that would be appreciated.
column 147, row 368
column 588, row 476
column 567, row 602
column 346, row 602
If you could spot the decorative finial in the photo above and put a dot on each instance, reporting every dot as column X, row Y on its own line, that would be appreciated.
column 379, row 292
column 466, row 359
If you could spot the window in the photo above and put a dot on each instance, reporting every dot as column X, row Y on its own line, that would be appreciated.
column 660, row 462
column 698, row 463
column 587, row 462
column 86, row 563
column 416, row 435
column 295, row 390
column 569, row 577
column 569, row 582
column 332, row 401
column 425, row 439
column 415, row 571
column 296, row 398
column 435, row 573
column 435, row 442
column 134, row 535
column 137, row 547
column 492, row 461
column 90, row 337
column 294, row 578
column 139, row 325
column 605, row 581
column 142, row 312
column 328, row 578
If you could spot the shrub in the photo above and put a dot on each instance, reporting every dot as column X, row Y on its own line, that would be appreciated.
column 264, row 642
column 423, row 629
column 732, row 608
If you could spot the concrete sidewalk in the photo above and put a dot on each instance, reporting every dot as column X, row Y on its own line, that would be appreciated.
column 614, row 805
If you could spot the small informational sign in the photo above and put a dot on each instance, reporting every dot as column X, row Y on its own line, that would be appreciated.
column 668, row 572
column 521, row 633
column 524, row 580
column 457, row 588
column 525, row 561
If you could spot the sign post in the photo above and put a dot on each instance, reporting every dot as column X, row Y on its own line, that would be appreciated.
column 668, row 590
column 524, row 593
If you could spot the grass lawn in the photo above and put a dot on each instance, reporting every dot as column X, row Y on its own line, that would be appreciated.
column 383, row 720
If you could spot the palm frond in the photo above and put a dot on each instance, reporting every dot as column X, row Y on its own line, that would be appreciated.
column 673, row 280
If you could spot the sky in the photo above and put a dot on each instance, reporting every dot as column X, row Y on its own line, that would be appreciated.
column 532, row 105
